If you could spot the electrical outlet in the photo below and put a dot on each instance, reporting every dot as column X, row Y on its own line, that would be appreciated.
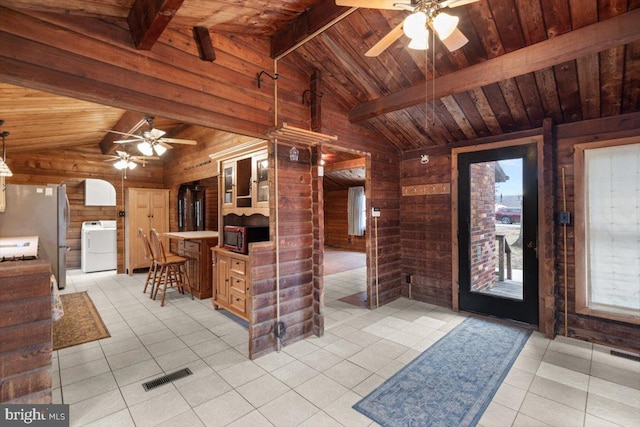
column 564, row 218
column 121, row 214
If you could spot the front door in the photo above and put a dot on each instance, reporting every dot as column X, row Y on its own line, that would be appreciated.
column 497, row 208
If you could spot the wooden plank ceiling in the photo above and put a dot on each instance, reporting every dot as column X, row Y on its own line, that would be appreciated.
column 515, row 79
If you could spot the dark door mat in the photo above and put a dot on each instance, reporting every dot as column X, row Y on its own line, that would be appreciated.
column 359, row 299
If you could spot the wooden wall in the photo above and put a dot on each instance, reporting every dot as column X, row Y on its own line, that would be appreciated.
column 72, row 167
column 25, row 332
column 589, row 328
column 426, row 230
column 336, row 227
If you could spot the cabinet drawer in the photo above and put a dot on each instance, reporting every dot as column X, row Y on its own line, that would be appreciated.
column 238, row 302
column 238, row 284
column 238, row 266
column 190, row 246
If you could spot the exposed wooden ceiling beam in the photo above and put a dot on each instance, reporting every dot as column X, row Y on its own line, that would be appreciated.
column 345, row 164
column 148, row 19
column 308, row 23
column 125, row 124
column 591, row 39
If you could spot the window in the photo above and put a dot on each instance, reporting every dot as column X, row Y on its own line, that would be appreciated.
column 357, row 215
column 608, row 230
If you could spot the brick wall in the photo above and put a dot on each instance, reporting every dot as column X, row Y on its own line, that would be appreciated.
column 483, row 229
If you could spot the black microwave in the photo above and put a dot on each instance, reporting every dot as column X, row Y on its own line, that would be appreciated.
column 236, row 238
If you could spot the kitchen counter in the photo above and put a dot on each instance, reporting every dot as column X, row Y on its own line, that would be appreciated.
column 191, row 235
column 196, row 245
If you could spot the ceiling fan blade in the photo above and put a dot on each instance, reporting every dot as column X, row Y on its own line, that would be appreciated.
column 178, row 141
column 138, row 125
column 163, row 144
column 385, row 42
column 156, row 133
column 126, row 141
column 123, row 133
column 455, row 41
column 141, row 159
column 369, row 4
column 456, row 3
column 112, row 160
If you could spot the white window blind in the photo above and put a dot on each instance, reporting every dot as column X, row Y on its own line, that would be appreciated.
column 612, row 195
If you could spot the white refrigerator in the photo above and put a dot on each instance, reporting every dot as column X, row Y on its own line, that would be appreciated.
column 43, row 211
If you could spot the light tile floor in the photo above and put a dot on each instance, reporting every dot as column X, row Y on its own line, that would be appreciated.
column 313, row 382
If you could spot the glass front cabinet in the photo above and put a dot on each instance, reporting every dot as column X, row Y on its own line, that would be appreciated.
column 245, row 184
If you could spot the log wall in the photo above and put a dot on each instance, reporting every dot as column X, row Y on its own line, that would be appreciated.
column 25, row 332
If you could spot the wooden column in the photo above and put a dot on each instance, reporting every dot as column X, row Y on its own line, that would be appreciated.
column 547, row 231
column 316, row 97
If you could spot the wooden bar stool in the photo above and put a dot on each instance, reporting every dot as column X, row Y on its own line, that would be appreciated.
column 172, row 269
column 152, row 276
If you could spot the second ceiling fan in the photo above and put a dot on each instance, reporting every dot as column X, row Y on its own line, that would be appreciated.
column 425, row 15
column 150, row 140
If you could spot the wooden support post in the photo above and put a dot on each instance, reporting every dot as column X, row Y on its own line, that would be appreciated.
column 316, row 106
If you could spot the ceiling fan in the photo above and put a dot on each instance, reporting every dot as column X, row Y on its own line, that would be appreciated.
column 150, row 140
column 125, row 160
column 425, row 15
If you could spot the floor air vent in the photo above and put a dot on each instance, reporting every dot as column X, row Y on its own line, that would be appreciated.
column 625, row 355
column 165, row 379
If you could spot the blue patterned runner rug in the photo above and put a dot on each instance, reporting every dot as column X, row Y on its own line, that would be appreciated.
column 452, row 382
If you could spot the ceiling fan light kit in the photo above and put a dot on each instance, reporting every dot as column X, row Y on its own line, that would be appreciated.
column 425, row 15
column 421, row 42
column 415, row 24
column 145, row 148
column 445, row 24
column 124, row 164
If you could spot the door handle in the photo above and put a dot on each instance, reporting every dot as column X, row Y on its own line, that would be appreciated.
column 532, row 245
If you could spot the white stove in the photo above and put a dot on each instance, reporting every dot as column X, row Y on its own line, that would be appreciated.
column 18, row 248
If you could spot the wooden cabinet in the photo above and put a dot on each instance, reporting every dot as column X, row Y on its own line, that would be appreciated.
column 232, row 282
column 197, row 245
column 145, row 208
column 245, row 184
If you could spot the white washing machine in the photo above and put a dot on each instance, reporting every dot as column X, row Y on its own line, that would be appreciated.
column 98, row 246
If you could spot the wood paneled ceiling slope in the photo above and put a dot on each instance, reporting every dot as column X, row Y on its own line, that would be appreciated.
column 526, row 60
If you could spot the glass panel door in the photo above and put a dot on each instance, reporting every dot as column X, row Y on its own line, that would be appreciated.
column 498, row 227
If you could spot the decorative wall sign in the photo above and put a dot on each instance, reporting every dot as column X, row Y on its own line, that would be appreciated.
column 426, row 189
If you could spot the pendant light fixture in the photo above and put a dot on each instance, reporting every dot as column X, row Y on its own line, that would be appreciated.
column 4, row 168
